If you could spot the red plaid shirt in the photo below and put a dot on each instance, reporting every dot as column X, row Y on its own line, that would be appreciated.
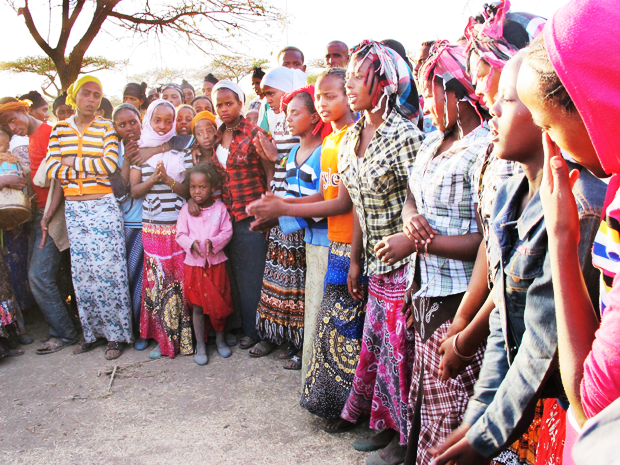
column 246, row 177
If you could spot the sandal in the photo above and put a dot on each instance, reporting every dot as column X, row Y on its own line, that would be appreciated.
column 15, row 353
column 338, row 426
column 294, row 363
column 288, row 353
column 262, row 348
column 112, row 346
column 246, row 342
column 52, row 345
column 84, row 347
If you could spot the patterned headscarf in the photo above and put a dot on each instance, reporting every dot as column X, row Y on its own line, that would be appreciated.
column 448, row 62
column 395, row 80
column 74, row 88
column 321, row 128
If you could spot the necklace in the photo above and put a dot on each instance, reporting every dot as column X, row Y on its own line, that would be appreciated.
column 235, row 128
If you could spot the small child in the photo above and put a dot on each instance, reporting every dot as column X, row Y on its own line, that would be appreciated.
column 185, row 114
column 206, row 284
column 204, row 130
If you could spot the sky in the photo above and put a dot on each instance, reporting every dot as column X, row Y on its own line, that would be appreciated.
column 310, row 26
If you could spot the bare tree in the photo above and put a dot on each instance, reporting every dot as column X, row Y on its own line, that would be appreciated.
column 200, row 22
column 44, row 66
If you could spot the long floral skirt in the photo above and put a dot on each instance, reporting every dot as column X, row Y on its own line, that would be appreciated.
column 336, row 348
column 280, row 314
column 99, row 269
column 165, row 315
column 383, row 375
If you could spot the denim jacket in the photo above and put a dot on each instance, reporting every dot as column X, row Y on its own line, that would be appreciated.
column 521, row 354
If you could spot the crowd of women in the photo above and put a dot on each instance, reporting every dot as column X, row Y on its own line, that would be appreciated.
column 429, row 240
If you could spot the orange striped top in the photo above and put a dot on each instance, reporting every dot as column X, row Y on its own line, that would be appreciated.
column 96, row 152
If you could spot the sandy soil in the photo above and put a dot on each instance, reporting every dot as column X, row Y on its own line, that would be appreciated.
column 56, row 409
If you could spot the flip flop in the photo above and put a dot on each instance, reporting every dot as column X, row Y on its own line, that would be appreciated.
column 264, row 350
column 297, row 366
column 84, row 347
column 113, row 346
column 52, row 345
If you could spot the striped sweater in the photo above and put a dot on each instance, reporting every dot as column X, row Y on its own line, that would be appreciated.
column 96, row 152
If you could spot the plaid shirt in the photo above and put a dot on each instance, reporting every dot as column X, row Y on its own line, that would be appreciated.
column 378, row 186
column 444, row 192
column 246, row 177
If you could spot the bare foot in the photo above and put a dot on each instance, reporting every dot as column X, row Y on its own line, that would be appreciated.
column 394, row 452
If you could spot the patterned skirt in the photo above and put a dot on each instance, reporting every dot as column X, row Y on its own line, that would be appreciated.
column 99, row 269
column 165, row 315
column 436, row 407
column 280, row 313
column 383, row 374
column 336, row 348
column 8, row 304
column 135, row 265
column 524, row 450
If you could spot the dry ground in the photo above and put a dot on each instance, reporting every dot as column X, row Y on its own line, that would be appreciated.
column 56, row 409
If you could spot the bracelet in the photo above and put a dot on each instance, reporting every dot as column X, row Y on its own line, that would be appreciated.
column 173, row 183
column 162, row 148
column 456, row 351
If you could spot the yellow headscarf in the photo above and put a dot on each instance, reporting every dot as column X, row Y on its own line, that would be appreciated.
column 75, row 87
column 203, row 115
column 18, row 105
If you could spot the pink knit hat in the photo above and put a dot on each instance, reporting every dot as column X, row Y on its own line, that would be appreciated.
column 580, row 40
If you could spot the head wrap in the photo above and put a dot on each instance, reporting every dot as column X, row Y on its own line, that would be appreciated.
column 284, row 79
column 173, row 161
column 258, row 73
column 448, row 62
column 176, row 87
column 321, row 128
column 126, row 106
column 488, row 41
column 577, row 39
column 15, row 105
column 74, row 88
column 203, row 115
column 231, row 86
column 211, row 78
column 395, row 80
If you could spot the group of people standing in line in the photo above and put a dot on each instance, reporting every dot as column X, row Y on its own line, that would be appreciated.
column 428, row 240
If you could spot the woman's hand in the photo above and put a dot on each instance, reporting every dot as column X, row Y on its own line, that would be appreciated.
column 45, row 221
column 132, row 149
column 451, row 365
column 68, row 161
column 143, row 155
column 261, row 225
column 13, row 182
column 395, row 248
column 355, row 288
column 268, row 207
column 192, row 207
column 196, row 249
column 265, row 148
column 418, row 230
column 462, row 453
column 556, row 194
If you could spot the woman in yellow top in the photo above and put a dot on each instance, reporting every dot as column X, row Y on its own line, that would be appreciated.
column 83, row 153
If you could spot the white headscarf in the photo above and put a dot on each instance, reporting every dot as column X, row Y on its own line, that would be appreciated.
column 173, row 161
column 231, row 86
column 284, row 79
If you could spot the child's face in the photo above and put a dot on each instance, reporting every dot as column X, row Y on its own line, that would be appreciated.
column 200, row 188
column 205, row 133
column 127, row 125
column 162, row 120
column 515, row 136
column 184, row 121
column 88, row 99
column 5, row 139
column 252, row 117
column 41, row 113
column 273, row 97
column 300, row 121
column 202, row 104
column 173, row 96
column 331, row 99
column 227, row 105
column 189, row 95
column 15, row 122
column 64, row 112
column 360, row 85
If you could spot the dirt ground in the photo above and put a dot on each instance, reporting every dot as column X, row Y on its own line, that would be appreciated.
column 56, row 409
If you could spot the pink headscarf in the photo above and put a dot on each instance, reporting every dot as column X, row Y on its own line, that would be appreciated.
column 579, row 39
column 173, row 161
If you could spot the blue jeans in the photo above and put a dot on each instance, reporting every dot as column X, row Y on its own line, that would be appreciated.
column 248, row 250
column 42, row 274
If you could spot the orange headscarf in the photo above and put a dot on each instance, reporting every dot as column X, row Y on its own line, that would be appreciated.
column 18, row 105
column 203, row 115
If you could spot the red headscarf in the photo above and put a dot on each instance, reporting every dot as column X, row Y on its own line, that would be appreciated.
column 321, row 128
